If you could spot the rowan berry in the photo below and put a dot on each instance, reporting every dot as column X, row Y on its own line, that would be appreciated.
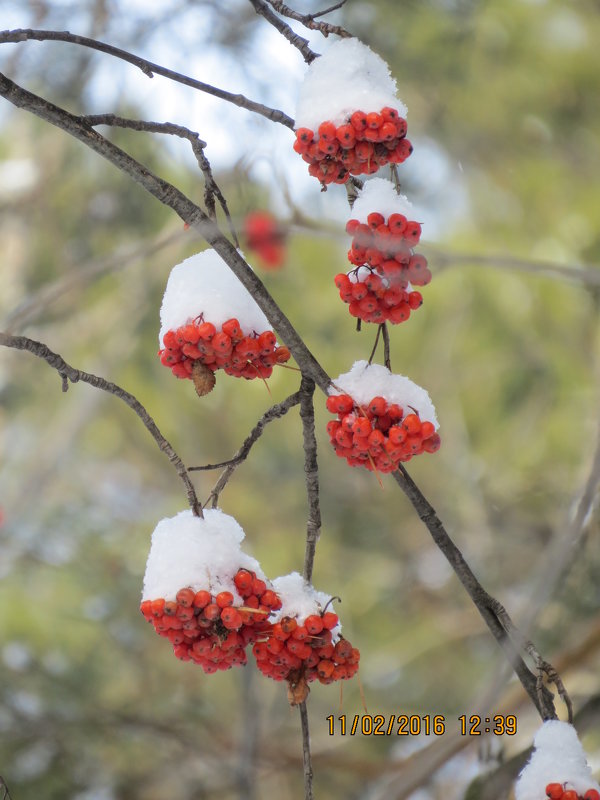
column 304, row 135
column 555, row 791
column 340, row 403
column 570, row 794
column 313, row 624
column 346, row 136
column 592, row 794
column 358, row 120
column 377, row 406
column 432, row 444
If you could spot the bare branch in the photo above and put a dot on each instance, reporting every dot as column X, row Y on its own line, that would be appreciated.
column 69, row 373
column 275, row 412
column 308, row 20
column 148, row 68
column 299, row 42
column 311, row 473
column 211, row 191
column 493, row 613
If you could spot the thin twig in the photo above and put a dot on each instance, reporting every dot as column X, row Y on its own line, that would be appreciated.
column 308, row 20
column 148, row 68
column 6, row 795
column 297, row 41
column 306, row 759
column 275, row 412
column 311, row 473
column 377, row 337
column 489, row 608
column 69, row 373
column 212, row 189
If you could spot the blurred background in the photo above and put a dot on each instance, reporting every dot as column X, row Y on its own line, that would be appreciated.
column 505, row 121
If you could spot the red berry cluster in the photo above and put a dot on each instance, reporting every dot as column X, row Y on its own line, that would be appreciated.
column 379, row 436
column 209, row 629
column 376, row 299
column 303, row 651
column 558, row 791
column 239, row 354
column 386, row 246
column 363, row 144
column 266, row 238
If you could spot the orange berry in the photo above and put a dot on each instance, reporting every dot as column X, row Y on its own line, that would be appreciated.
column 231, row 617
column 313, row 624
column 212, row 612
column 412, row 424
column 327, row 131
column 378, row 406
column 206, row 330
column 374, row 120
column 202, row 598
column 330, row 620
column 224, row 599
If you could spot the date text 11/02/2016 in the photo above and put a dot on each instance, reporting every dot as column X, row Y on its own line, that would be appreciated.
column 415, row 725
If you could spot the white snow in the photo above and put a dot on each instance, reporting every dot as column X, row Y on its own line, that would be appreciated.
column 380, row 195
column 558, row 757
column 364, row 382
column 196, row 552
column 204, row 284
column 300, row 600
column 348, row 77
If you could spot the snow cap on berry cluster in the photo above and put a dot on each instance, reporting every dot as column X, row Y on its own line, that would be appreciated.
column 366, row 381
column 299, row 600
column 379, row 195
column 202, row 553
column 204, row 284
column 558, row 757
column 348, row 77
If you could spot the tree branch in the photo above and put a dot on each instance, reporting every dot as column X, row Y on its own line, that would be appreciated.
column 69, row 373
column 311, row 473
column 299, row 42
column 494, row 614
column 148, row 68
